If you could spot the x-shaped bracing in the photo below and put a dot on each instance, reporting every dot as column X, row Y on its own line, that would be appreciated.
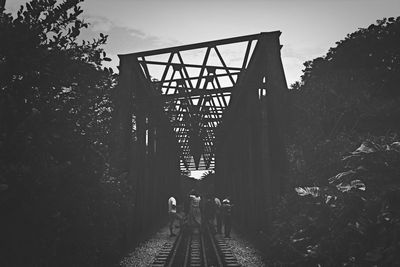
column 195, row 90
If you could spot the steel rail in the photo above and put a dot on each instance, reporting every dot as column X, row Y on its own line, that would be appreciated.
column 203, row 250
column 215, row 248
column 197, row 249
column 187, row 251
column 175, row 250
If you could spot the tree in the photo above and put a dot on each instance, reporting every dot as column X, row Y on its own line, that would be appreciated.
column 356, row 85
column 55, row 111
column 345, row 95
column 349, row 96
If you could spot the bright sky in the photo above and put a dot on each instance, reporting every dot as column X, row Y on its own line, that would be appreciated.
column 309, row 27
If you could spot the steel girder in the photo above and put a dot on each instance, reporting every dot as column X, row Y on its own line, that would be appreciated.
column 251, row 160
column 193, row 85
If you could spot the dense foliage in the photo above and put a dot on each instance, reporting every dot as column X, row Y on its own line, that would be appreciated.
column 342, row 207
column 353, row 220
column 58, row 206
column 352, row 90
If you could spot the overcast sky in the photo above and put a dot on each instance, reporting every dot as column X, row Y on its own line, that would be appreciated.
column 309, row 27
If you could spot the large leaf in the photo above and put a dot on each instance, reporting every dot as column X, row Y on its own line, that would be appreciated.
column 355, row 184
column 395, row 146
column 304, row 191
column 366, row 147
column 343, row 176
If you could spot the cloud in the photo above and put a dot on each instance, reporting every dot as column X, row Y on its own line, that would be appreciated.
column 122, row 40
column 99, row 24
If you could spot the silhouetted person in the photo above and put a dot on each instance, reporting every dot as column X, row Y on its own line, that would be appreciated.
column 172, row 214
column 208, row 212
column 194, row 212
column 218, row 214
column 227, row 216
column 211, row 209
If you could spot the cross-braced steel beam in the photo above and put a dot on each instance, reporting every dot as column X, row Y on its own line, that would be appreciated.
column 212, row 105
column 194, row 91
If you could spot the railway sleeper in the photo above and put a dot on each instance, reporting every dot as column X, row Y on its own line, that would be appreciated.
column 228, row 258
column 195, row 252
column 162, row 257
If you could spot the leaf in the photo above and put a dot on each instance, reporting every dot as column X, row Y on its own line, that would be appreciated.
column 304, row 191
column 395, row 146
column 366, row 147
column 356, row 184
column 341, row 176
column 329, row 199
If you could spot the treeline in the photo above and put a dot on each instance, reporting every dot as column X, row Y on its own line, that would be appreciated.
column 59, row 206
column 342, row 202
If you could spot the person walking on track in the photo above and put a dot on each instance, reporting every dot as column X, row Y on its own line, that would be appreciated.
column 172, row 215
column 194, row 212
column 218, row 214
column 227, row 216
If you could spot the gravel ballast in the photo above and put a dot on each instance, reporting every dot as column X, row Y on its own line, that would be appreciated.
column 246, row 254
column 146, row 252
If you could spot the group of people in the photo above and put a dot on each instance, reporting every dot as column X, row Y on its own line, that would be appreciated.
column 199, row 212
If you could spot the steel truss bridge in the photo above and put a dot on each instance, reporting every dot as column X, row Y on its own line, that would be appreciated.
column 213, row 105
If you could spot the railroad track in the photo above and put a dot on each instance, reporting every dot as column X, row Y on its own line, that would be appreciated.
column 195, row 249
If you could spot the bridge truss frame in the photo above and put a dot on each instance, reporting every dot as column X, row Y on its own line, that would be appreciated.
column 185, row 121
